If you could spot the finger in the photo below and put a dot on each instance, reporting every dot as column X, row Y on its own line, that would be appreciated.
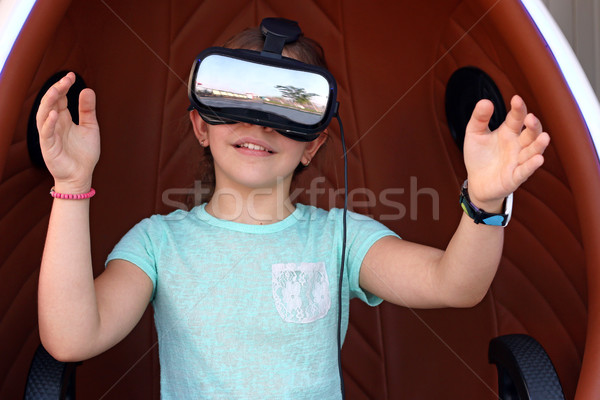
column 58, row 90
column 526, row 169
column 533, row 123
column 516, row 116
column 54, row 98
column 65, row 83
column 87, row 107
column 533, row 128
column 47, row 104
column 480, row 118
column 538, row 146
column 46, row 131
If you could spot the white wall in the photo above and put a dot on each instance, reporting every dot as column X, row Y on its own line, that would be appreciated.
column 580, row 23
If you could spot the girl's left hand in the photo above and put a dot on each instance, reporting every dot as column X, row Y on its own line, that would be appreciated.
column 499, row 162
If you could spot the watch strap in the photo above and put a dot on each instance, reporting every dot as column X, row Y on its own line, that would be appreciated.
column 480, row 216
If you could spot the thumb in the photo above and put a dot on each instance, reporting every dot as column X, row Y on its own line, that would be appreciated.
column 87, row 107
column 480, row 118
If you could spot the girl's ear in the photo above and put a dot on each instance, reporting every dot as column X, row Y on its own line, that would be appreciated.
column 312, row 148
column 200, row 128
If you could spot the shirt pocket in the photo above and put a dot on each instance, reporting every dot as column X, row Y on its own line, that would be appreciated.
column 301, row 291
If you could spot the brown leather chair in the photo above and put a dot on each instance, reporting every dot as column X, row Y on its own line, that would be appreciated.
column 392, row 61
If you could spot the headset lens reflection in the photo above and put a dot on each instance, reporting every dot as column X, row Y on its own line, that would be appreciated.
column 226, row 83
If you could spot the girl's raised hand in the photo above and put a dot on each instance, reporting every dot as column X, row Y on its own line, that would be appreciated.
column 499, row 162
column 70, row 151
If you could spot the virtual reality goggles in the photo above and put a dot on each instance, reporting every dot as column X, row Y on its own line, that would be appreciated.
column 264, row 88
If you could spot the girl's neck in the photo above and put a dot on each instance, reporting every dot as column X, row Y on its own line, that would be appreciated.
column 254, row 207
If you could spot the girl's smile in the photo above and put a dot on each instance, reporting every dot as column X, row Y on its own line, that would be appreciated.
column 253, row 147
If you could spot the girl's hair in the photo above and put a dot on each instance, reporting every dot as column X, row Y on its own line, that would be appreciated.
column 304, row 49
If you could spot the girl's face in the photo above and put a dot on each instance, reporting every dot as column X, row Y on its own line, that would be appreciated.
column 252, row 157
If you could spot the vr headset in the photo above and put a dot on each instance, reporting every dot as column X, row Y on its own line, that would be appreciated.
column 228, row 86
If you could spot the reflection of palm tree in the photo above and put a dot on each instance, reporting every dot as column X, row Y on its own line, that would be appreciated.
column 298, row 95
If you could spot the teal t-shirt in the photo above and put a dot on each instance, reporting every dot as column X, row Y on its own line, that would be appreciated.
column 250, row 311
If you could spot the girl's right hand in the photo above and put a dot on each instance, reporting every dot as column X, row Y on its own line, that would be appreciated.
column 70, row 151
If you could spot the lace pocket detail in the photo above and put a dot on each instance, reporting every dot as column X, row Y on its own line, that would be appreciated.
column 301, row 291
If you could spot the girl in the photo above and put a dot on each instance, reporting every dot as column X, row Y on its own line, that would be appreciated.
column 244, row 286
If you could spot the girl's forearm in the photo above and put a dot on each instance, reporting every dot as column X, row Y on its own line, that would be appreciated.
column 68, row 311
column 470, row 262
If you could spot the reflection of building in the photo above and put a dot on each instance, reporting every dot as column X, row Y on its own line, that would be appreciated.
column 202, row 91
column 290, row 103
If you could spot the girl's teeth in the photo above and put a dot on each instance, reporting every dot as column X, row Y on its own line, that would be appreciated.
column 253, row 146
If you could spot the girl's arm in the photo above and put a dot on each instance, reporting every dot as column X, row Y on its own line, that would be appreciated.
column 497, row 164
column 418, row 276
column 79, row 318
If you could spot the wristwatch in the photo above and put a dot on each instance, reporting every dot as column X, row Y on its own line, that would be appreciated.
column 482, row 217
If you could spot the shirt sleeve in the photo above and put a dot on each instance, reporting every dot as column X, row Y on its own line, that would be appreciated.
column 138, row 246
column 362, row 233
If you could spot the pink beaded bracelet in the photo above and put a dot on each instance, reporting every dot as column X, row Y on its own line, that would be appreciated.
column 80, row 196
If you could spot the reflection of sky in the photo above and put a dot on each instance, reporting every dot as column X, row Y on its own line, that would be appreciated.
column 237, row 76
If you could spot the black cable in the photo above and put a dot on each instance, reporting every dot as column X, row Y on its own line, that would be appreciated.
column 339, row 330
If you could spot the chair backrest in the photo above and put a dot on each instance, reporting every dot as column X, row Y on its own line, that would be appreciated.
column 392, row 61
